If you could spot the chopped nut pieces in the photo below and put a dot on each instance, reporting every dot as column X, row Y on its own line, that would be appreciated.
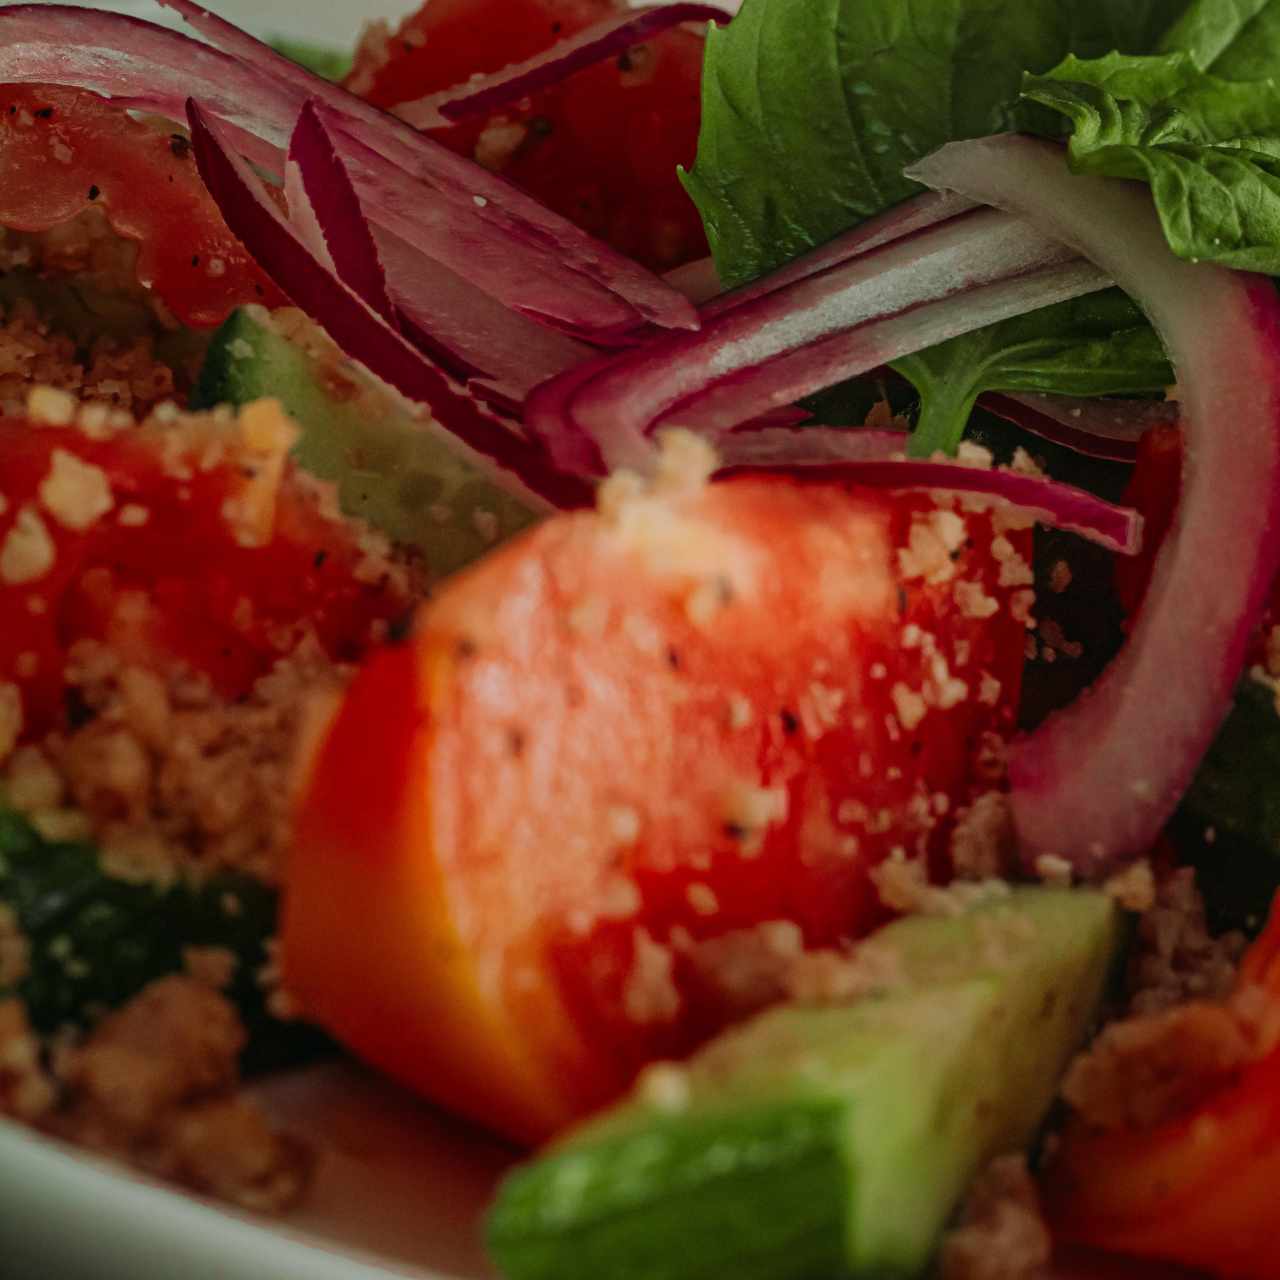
column 154, row 1084
column 1002, row 1234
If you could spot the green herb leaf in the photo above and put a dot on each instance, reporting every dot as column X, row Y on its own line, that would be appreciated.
column 811, row 139
column 1093, row 346
column 1209, row 148
column 1235, row 39
column 95, row 941
column 333, row 64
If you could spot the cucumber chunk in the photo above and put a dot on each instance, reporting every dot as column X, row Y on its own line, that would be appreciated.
column 824, row 1141
column 392, row 470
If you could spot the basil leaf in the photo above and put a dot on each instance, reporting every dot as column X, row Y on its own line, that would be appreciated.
column 1235, row 39
column 1093, row 346
column 811, row 109
column 1209, row 148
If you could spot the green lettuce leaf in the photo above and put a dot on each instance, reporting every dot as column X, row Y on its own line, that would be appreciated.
column 1209, row 148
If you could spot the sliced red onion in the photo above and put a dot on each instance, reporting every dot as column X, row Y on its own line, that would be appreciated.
column 362, row 333
column 878, row 459
column 1096, row 783
column 906, row 219
column 822, row 328
column 482, row 227
column 1107, row 429
column 497, row 352
column 326, row 211
column 589, row 288
column 482, row 95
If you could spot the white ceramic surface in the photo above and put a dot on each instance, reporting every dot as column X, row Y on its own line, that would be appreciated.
column 399, row 1188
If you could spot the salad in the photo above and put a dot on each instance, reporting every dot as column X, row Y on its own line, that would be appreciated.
column 697, row 587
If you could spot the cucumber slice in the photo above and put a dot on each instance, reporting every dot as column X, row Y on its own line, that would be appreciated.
column 827, row 1141
column 390, row 469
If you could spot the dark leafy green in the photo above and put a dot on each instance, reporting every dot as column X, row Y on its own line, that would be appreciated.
column 1209, row 148
column 1098, row 345
column 803, row 142
column 799, row 145
column 333, row 64
column 95, row 941
column 1235, row 39
column 1230, row 819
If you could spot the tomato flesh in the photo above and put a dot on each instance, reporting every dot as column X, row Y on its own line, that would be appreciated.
column 64, row 151
column 601, row 148
column 1197, row 1189
column 163, row 575
column 608, row 784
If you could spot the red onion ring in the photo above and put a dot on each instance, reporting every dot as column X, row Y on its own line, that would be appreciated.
column 361, row 332
column 483, row 95
column 1096, row 783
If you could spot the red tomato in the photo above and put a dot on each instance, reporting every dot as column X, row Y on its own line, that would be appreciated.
column 63, row 151
column 1200, row 1188
column 140, row 538
column 623, row 760
column 601, row 148
column 1153, row 490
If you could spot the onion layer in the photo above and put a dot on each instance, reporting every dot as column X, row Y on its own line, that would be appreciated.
column 362, row 333
column 877, row 459
column 817, row 328
column 1097, row 781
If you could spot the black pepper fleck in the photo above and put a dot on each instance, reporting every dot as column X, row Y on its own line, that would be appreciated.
column 94, row 192
column 179, row 145
column 317, row 560
column 789, row 723
column 516, row 741
column 400, row 629
column 45, row 113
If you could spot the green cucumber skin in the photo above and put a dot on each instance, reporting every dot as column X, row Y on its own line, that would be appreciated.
column 693, row 1183
column 397, row 474
column 896, row 1101
column 96, row 941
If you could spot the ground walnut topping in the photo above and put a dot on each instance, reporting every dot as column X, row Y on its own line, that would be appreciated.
column 170, row 778
column 1002, row 1234
column 155, row 1084
column 1187, row 1027
column 122, row 375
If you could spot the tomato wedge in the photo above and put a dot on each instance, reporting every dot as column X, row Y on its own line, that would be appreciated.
column 1198, row 1189
column 627, row 767
column 185, row 543
column 66, row 151
column 601, row 148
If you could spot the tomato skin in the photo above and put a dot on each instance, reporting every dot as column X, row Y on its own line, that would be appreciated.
column 598, row 759
column 63, row 151
column 181, row 588
column 1153, row 490
column 1199, row 1189
column 601, row 147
